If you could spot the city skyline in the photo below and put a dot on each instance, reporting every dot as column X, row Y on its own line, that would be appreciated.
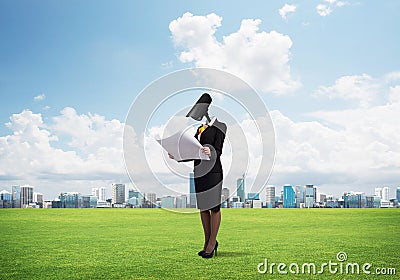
column 332, row 88
column 287, row 194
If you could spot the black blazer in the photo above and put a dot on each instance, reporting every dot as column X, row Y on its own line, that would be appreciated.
column 213, row 137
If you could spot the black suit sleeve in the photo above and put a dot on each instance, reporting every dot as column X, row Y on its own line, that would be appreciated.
column 219, row 138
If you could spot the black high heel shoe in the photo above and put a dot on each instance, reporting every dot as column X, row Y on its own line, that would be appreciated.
column 211, row 254
column 200, row 253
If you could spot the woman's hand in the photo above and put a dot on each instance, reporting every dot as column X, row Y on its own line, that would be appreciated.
column 206, row 150
column 170, row 156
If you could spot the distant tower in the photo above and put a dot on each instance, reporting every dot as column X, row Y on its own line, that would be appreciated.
column 398, row 194
column 118, row 193
column 16, row 196
column 385, row 193
column 240, row 188
column 309, row 198
column 270, row 196
column 26, row 195
column 102, row 194
column 225, row 196
column 288, row 196
column 192, row 191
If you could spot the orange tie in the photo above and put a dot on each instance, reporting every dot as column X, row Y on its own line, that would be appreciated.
column 201, row 129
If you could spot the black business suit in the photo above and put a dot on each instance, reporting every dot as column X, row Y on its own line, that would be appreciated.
column 208, row 174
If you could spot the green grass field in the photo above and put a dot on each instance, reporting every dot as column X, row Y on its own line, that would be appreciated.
column 158, row 244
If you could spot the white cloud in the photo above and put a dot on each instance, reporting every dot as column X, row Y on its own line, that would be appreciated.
column 361, row 88
column 325, row 9
column 260, row 58
column 286, row 9
column 39, row 97
column 35, row 152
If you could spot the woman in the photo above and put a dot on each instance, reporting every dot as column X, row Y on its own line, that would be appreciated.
column 208, row 174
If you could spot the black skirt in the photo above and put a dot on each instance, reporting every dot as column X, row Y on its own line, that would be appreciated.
column 208, row 191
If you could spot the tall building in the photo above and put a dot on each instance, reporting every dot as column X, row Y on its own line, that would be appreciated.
column 385, row 193
column 5, row 199
column 118, row 193
column 181, row 201
column 26, row 195
column 38, row 199
column 225, row 196
column 299, row 196
column 95, row 192
column 168, row 202
column 70, row 200
column 192, row 191
column 398, row 194
column 240, row 188
column 289, row 196
column 102, row 194
column 270, row 196
column 16, row 196
column 152, row 198
column 309, row 196
column 378, row 192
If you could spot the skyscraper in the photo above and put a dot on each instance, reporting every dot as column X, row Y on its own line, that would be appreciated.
column 16, row 196
column 398, row 194
column 309, row 198
column 299, row 196
column 270, row 196
column 378, row 192
column 240, row 188
column 225, row 196
column 168, row 202
column 26, row 195
column 102, row 194
column 385, row 193
column 181, row 201
column 288, row 196
column 118, row 193
column 95, row 192
column 151, row 197
column 192, row 191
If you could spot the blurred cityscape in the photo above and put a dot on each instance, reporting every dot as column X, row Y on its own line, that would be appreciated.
column 289, row 197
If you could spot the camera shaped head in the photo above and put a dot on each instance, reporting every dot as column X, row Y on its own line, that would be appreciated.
column 200, row 109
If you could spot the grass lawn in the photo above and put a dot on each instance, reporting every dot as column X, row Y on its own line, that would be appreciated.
column 158, row 244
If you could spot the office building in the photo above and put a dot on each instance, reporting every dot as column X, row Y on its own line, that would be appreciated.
column 26, row 195
column 95, row 192
column 225, row 197
column 270, row 196
column 16, row 196
column 5, row 199
column 240, row 188
column 181, row 201
column 309, row 196
column 299, row 196
column 152, row 198
column 378, row 192
column 168, row 202
column 137, row 194
column 398, row 194
column 118, row 193
column 256, row 203
column 192, row 191
column 69, row 200
column 102, row 194
column 288, row 196
column 38, row 199
column 253, row 196
column 385, row 193
column 373, row 201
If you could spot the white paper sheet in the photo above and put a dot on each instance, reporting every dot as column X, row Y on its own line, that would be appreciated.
column 183, row 146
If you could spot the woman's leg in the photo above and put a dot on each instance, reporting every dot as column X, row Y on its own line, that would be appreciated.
column 215, row 222
column 206, row 222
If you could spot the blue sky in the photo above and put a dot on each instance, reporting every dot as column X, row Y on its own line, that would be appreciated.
column 96, row 56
